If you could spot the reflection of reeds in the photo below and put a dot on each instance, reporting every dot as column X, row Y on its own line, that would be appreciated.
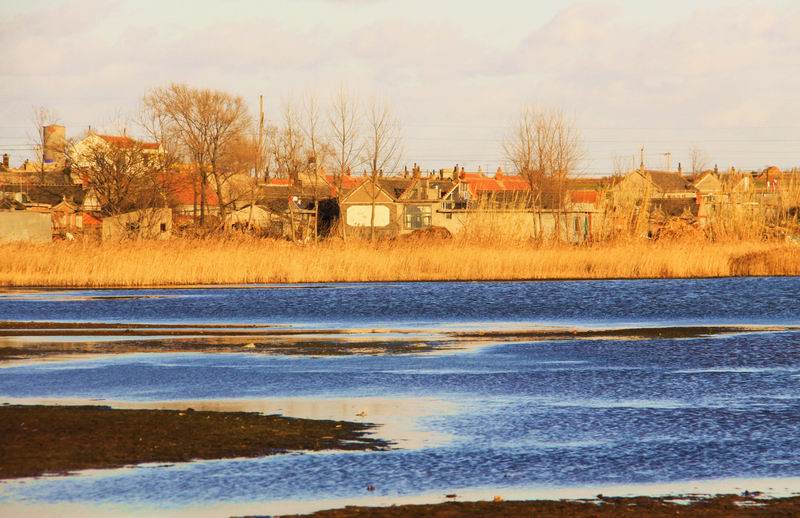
column 185, row 262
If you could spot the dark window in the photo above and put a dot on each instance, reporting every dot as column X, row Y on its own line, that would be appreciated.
column 163, row 227
column 417, row 217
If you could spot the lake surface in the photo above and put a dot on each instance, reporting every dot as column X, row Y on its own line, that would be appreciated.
column 517, row 419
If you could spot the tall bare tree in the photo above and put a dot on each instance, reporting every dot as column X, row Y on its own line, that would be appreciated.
column 290, row 155
column 698, row 159
column 526, row 149
column 120, row 173
column 381, row 150
column 206, row 123
column 318, row 151
column 346, row 145
column 544, row 147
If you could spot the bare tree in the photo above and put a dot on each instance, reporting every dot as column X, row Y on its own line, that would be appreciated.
column 544, row 147
column 698, row 159
column 526, row 149
column 344, row 120
column 290, row 157
column 318, row 152
column 118, row 171
column 206, row 123
column 381, row 150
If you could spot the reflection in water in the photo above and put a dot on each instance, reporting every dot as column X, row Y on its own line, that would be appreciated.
column 397, row 418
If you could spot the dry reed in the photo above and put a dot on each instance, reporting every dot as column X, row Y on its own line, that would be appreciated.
column 235, row 261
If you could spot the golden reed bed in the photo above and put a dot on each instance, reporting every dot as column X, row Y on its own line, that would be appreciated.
column 234, row 261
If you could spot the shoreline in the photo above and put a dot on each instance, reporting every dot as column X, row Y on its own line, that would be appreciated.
column 22, row 288
column 126, row 437
column 717, row 506
column 34, row 341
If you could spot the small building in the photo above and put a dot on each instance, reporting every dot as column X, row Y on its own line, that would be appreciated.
column 371, row 208
column 138, row 224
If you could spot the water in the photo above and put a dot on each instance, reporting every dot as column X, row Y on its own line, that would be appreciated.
column 751, row 300
column 511, row 418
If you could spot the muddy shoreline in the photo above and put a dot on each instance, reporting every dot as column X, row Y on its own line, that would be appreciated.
column 21, row 341
column 44, row 439
column 691, row 505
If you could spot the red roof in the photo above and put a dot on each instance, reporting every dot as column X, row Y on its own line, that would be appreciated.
column 89, row 220
column 583, row 196
column 349, row 182
column 183, row 185
column 125, row 141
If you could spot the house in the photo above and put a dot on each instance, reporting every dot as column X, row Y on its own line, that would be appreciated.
column 70, row 221
column 371, row 206
column 290, row 209
column 421, row 201
column 138, row 224
column 83, row 153
column 707, row 183
column 654, row 185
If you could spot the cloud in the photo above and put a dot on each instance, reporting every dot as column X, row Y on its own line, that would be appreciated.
column 723, row 67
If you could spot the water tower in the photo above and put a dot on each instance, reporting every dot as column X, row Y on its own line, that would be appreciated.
column 54, row 138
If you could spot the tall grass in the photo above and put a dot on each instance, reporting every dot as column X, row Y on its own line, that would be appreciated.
column 233, row 261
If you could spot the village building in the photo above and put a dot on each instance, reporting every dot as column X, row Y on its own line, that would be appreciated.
column 371, row 208
column 138, row 224
column 82, row 154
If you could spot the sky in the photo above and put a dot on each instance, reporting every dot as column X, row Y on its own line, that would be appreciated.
column 669, row 76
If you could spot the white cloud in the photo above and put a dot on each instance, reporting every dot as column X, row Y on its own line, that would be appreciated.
column 728, row 67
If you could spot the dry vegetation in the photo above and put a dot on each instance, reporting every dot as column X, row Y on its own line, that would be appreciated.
column 244, row 260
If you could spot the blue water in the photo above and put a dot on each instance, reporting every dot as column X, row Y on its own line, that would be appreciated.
column 748, row 300
column 565, row 413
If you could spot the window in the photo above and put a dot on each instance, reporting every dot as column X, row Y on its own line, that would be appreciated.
column 417, row 216
column 163, row 227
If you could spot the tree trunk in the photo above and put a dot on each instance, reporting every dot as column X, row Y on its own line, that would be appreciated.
column 342, row 220
column 203, row 184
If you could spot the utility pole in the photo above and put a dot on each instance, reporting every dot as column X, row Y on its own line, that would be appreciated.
column 260, row 134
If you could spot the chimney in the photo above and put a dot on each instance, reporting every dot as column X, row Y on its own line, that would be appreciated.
column 499, row 174
column 6, row 161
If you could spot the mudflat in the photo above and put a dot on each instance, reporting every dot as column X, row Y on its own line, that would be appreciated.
column 716, row 507
column 57, row 339
column 40, row 440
